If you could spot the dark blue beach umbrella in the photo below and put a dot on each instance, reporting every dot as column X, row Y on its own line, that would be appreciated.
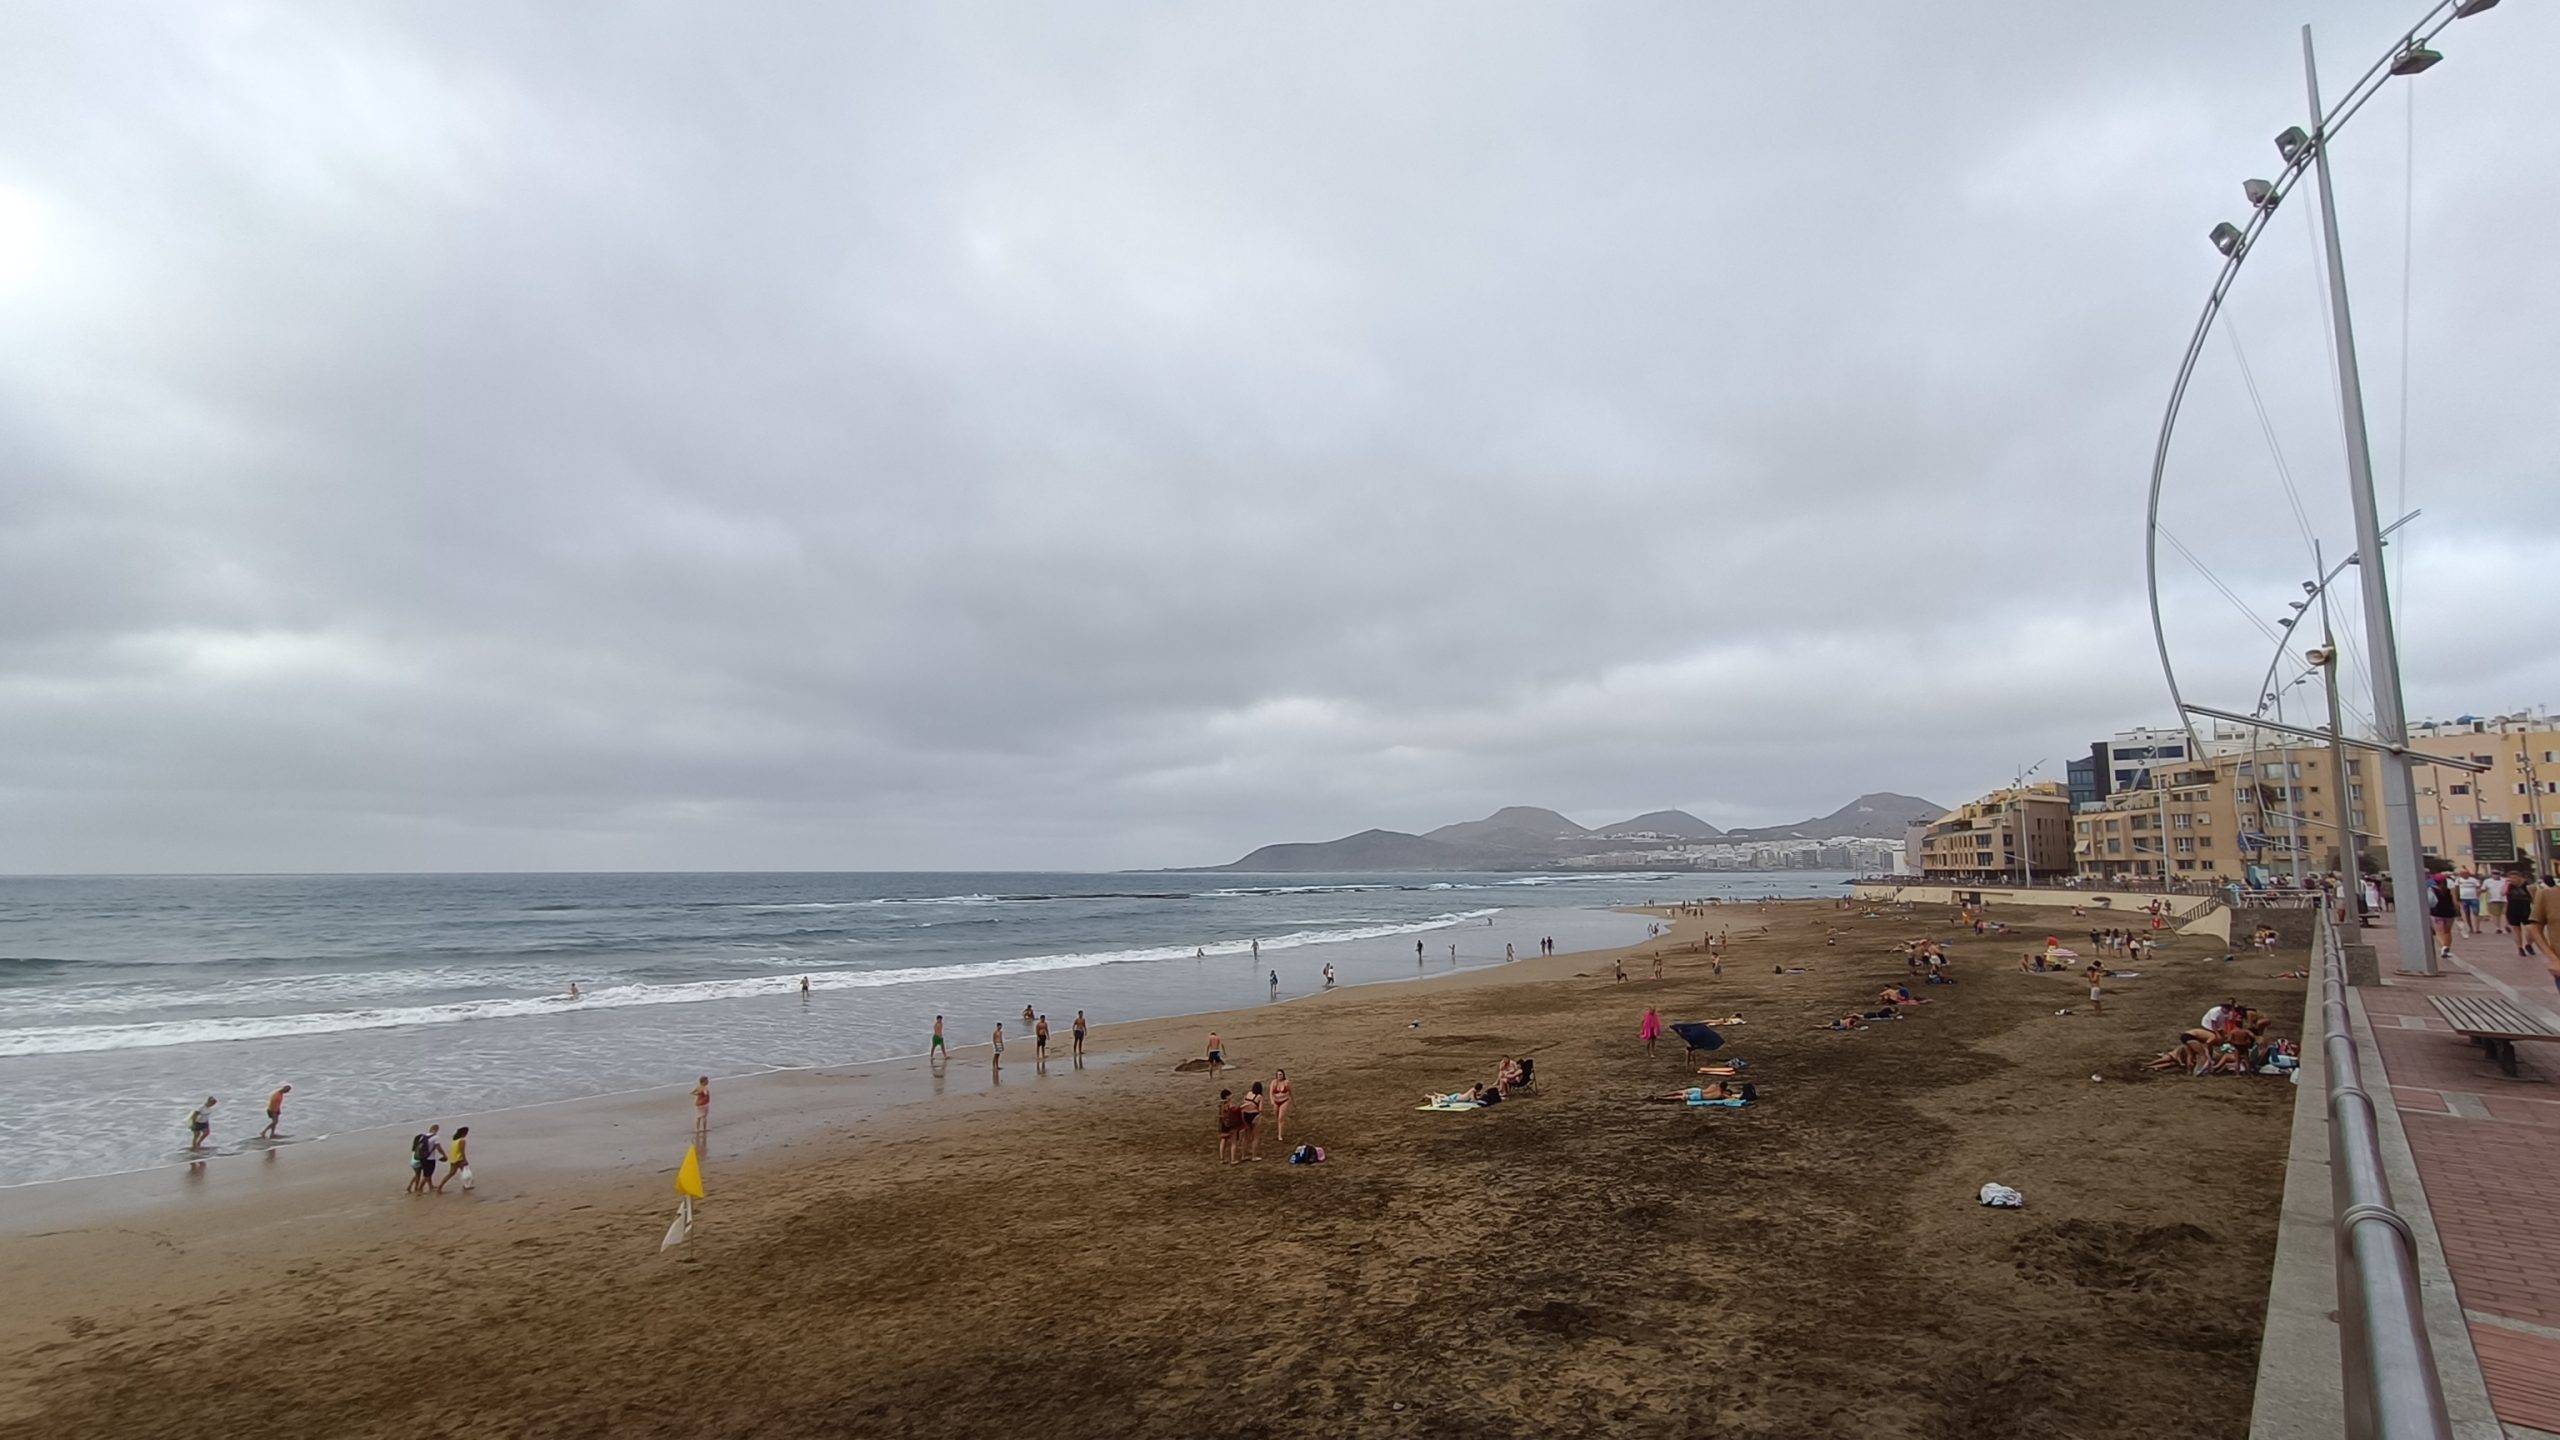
column 1699, row 1038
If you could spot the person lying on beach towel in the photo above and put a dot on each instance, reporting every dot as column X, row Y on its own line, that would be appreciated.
column 1899, row 995
column 2189, row 1054
column 1710, row 1094
column 1474, row 1097
column 1735, row 1068
column 1851, row 1021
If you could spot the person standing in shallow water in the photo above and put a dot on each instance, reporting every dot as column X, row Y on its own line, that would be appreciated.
column 1079, row 1040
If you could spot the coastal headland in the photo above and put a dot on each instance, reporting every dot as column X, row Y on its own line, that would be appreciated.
column 883, row 1252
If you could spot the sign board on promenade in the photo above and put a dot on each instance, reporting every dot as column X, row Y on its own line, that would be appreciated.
column 2493, row 842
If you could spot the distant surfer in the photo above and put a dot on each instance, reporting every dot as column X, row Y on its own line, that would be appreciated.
column 804, row 987
column 200, row 1124
column 275, row 1111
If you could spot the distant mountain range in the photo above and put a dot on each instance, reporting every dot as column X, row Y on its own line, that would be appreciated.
column 1524, row 837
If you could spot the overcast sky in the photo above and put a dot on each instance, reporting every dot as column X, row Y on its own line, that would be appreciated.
column 463, row 436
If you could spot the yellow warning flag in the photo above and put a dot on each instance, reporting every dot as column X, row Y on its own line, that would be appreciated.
column 689, row 1174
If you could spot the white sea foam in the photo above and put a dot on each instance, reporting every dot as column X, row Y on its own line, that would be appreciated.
column 75, row 1039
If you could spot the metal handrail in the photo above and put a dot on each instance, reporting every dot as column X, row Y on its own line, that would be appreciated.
column 2388, row 1365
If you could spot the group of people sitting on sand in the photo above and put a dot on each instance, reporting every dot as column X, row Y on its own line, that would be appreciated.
column 2264, row 937
column 2232, row 1039
column 1512, row 1074
column 1928, row 959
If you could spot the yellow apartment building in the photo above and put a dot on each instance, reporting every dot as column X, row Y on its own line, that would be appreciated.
column 1986, row 839
column 2214, row 819
column 2517, row 801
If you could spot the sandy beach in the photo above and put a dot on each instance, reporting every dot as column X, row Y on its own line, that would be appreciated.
column 885, row 1251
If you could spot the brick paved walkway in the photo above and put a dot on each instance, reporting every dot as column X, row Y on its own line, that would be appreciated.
column 2487, row 1146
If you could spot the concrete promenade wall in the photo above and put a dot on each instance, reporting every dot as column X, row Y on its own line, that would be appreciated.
column 2115, row 902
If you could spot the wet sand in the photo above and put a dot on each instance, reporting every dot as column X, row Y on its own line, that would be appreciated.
column 886, row 1253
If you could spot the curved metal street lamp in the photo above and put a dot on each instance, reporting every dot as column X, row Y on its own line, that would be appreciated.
column 2409, row 55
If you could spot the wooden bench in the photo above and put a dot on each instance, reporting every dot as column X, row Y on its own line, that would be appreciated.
column 2493, row 1025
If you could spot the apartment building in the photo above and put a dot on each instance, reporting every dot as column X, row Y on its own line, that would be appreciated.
column 2000, row 835
column 2226, row 817
column 2510, row 813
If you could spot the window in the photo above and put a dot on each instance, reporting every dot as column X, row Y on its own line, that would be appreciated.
column 2458, row 789
column 2521, row 789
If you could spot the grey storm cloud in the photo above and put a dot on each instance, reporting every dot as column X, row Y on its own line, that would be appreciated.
column 464, row 436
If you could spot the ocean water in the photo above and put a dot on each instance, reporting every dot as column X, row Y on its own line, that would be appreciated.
column 125, row 1000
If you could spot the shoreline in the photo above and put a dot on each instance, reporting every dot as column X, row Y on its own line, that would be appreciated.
column 101, row 1192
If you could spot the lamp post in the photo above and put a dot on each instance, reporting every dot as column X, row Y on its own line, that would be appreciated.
column 2308, row 152
column 2390, row 720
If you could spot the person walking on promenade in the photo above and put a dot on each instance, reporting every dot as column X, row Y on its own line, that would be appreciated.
column 2443, row 908
column 2519, row 899
column 2543, row 923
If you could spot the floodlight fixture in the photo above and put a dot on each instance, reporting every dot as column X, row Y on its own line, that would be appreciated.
column 2416, row 60
column 2226, row 238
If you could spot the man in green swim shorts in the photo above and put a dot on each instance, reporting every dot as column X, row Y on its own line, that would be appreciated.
column 937, row 1040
